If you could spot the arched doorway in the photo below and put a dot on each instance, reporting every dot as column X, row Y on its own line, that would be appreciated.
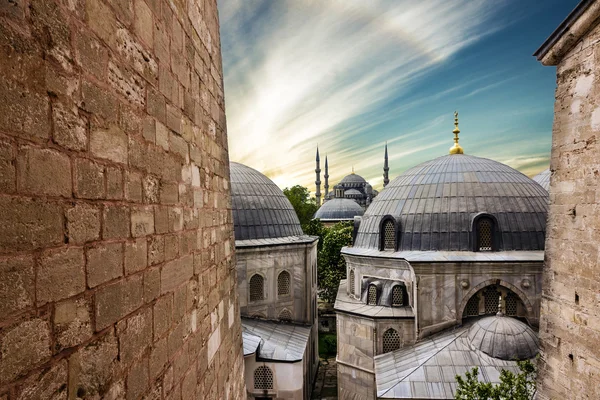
column 485, row 302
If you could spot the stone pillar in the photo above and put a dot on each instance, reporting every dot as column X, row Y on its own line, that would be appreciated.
column 116, row 238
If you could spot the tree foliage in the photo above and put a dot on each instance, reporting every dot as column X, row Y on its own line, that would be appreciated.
column 315, row 228
column 512, row 386
column 303, row 204
column 331, row 266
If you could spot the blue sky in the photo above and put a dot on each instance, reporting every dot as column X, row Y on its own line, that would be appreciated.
column 350, row 75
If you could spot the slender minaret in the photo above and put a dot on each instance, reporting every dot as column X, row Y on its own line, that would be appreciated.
column 386, row 168
column 318, row 181
column 326, row 177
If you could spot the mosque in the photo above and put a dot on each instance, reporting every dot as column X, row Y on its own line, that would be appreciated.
column 276, row 267
column 445, row 274
column 349, row 198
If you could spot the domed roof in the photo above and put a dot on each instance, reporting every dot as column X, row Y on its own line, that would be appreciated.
column 260, row 209
column 504, row 338
column 339, row 209
column 353, row 178
column 436, row 201
column 352, row 192
column 543, row 178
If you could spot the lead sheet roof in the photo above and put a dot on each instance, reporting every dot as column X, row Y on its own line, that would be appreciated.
column 278, row 341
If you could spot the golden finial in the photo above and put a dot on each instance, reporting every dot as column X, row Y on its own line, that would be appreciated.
column 456, row 149
column 500, row 313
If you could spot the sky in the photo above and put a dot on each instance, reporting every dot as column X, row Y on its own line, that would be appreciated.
column 350, row 75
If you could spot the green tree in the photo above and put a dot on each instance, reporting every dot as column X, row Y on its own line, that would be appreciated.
column 512, row 386
column 316, row 228
column 303, row 204
column 331, row 266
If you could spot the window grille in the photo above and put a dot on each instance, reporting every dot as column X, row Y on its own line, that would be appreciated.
column 283, row 284
column 491, row 296
column 389, row 236
column 391, row 340
column 484, row 234
column 510, row 304
column 351, row 281
column 372, row 298
column 397, row 296
column 472, row 307
column 263, row 378
column 285, row 315
column 257, row 288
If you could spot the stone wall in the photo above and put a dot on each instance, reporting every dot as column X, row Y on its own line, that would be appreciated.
column 570, row 313
column 116, row 239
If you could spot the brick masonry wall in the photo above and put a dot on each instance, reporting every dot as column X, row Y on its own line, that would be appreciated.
column 116, row 242
column 570, row 308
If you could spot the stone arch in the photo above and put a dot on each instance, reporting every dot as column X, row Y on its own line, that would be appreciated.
column 522, row 296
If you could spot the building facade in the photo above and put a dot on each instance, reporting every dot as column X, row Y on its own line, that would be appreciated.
column 570, row 318
column 276, row 268
column 436, row 249
column 116, row 237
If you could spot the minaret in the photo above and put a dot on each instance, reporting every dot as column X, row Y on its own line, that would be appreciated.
column 318, row 181
column 326, row 177
column 386, row 168
column 456, row 149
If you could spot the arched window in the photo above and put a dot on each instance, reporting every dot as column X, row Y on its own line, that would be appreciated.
column 485, row 234
column 263, row 378
column 391, row 340
column 472, row 307
column 397, row 296
column 491, row 296
column 351, row 280
column 257, row 288
column 388, row 232
column 283, row 284
column 372, row 295
column 285, row 315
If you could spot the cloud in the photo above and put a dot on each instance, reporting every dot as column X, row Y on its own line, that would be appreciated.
column 298, row 73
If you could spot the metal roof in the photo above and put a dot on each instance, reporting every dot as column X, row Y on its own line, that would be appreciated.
column 449, row 256
column 504, row 337
column 436, row 201
column 278, row 341
column 352, row 192
column 543, row 178
column 428, row 369
column 345, row 303
column 339, row 209
column 250, row 342
column 275, row 241
column 353, row 178
column 260, row 209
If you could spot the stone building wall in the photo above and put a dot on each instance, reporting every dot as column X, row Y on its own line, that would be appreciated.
column 116, row 239
column 570, row 308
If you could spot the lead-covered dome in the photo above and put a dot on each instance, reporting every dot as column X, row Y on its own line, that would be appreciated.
column 434, row 206
column 339, row 209
column 260, row 209
column 353, row 179
column 504, row 338
column 543, row 178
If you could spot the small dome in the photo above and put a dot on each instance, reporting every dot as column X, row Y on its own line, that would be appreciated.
column 353, row 178
column 339, row 209
column 260, row 209
column 352, row 192
column 543, row 178
column 435, row 203
column 504, row 338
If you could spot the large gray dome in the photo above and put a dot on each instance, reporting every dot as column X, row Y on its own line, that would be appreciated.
column 353, row 179
column 339, row 209
column 260, row 209
column 543, row 178
column 436, row 201
column 504, row 338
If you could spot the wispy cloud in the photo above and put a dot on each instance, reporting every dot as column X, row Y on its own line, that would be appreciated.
column 298, row 73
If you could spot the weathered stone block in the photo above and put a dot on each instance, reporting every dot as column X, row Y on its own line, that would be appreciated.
column 174, row 118
column 89, row 179
column 114, row 183
column 43, row 171
column 7, row 168
column 178, row 145
column 151, row 284
column 70, row 129
column 158, row 358
column 72, row 322
column 90, row 54
column 60, row 274
column 162, row 136
column 175, row 273
column 149, row 129
column 136, row 55
column 29, row 224
column 22, row 347
column 162, row 315
column 96, row 100
column 104, row 263
column 150, row 184
column 133, row 187
column 169, row 193
column 137, row 380
column 135, row 256
column 128, row 85
column 156, row 250
column 103, row 21
column 143, row 22
column 110, row 144
column 24, row 112
column 135, row 335
column 83, row 223
column 51, row 383
column 17, row 290
column 118, row 299
column 142, row 221
column 116, row 222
